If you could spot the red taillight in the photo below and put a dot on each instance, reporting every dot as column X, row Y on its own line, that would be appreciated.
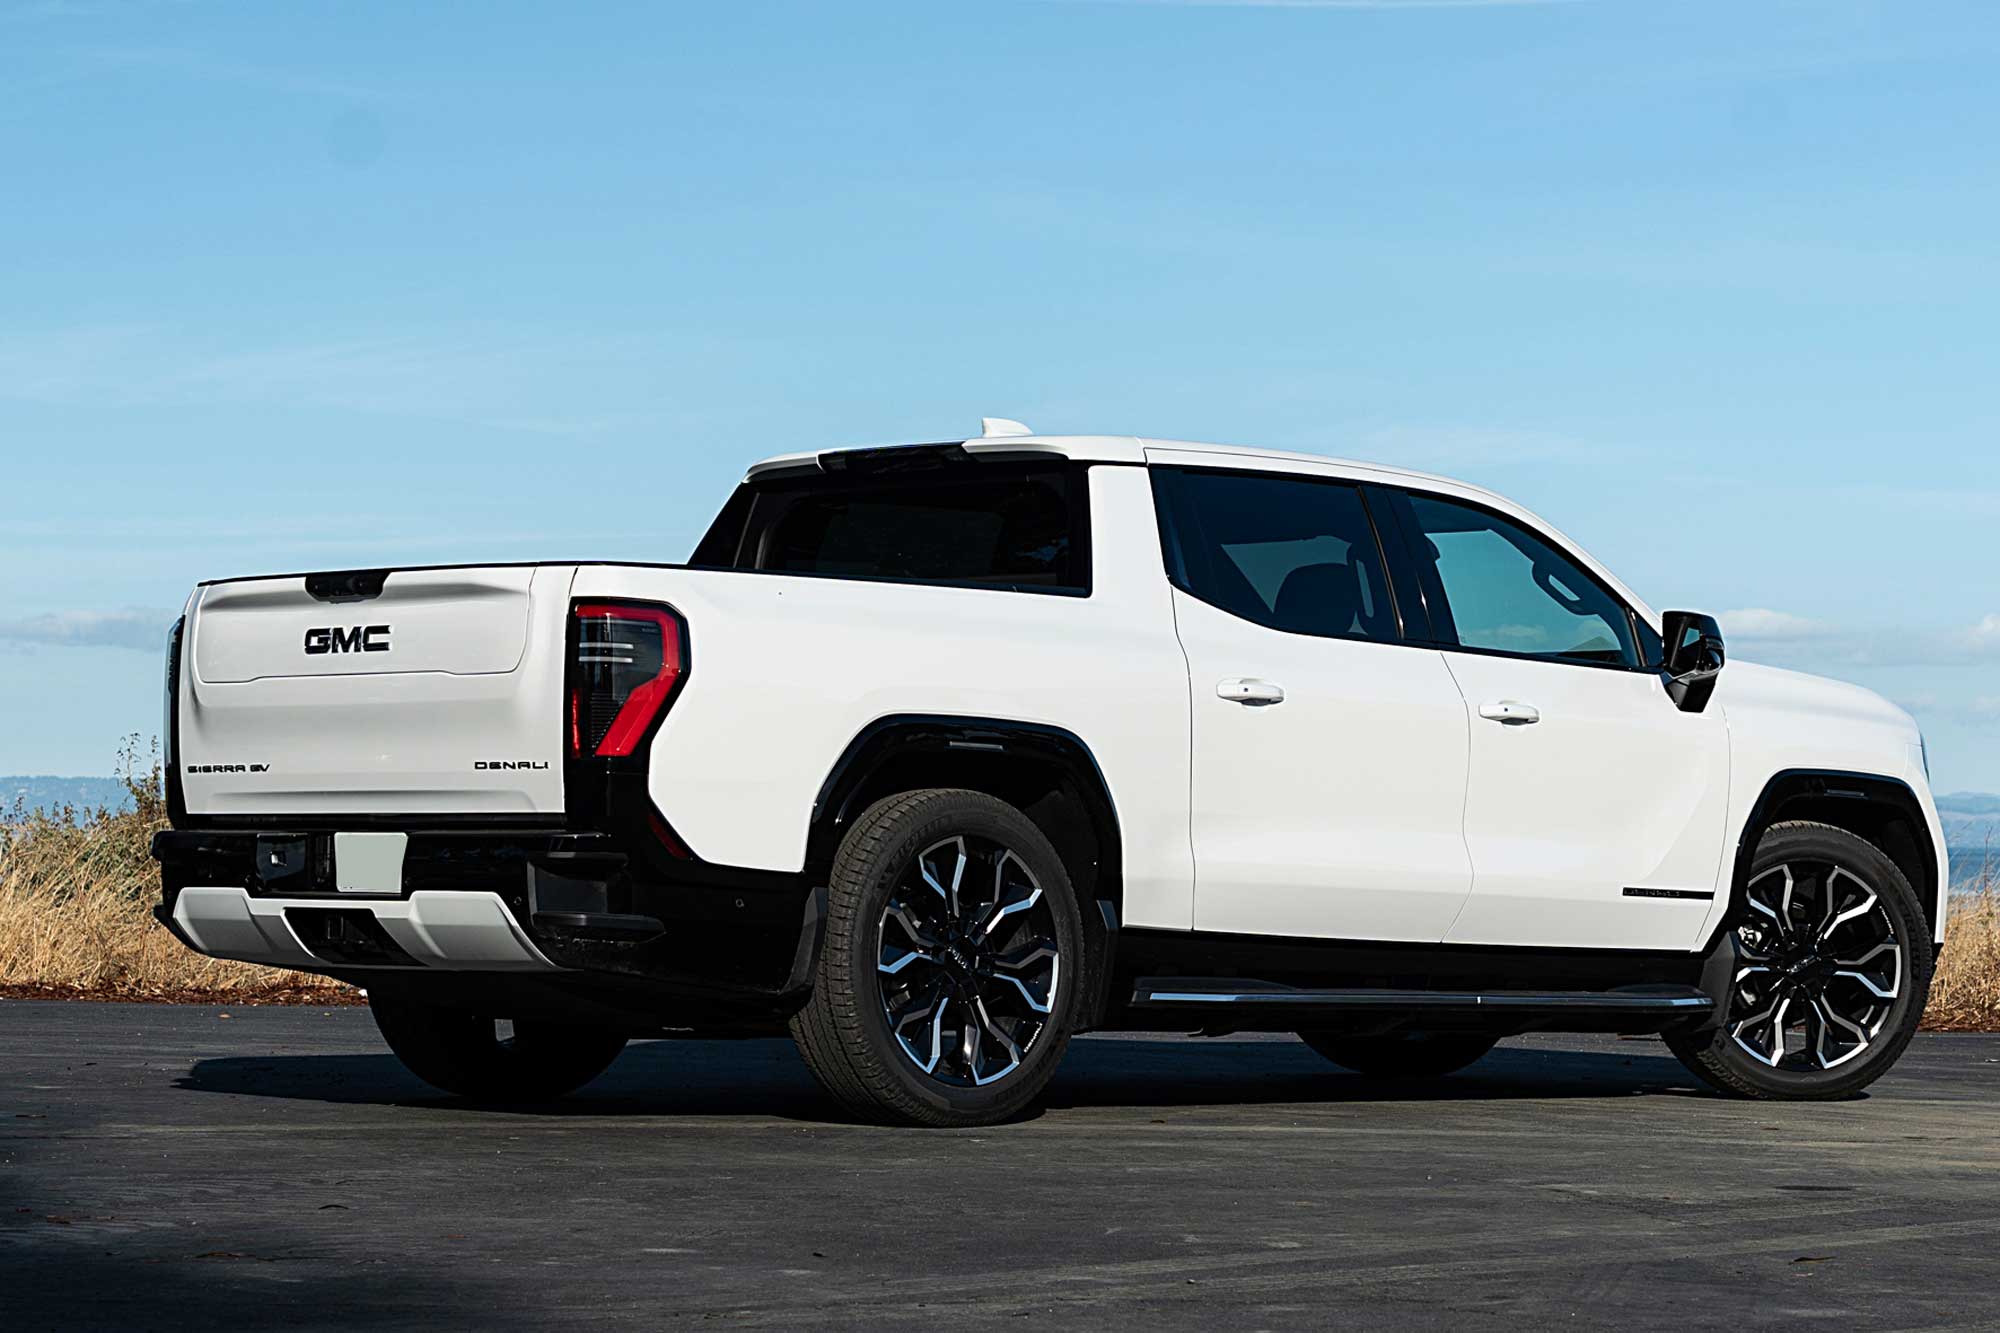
column 630, row 658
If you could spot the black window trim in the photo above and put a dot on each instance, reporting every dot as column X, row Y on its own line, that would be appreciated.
column 1174, row 561
column 1405, row 569
column 1076, row 475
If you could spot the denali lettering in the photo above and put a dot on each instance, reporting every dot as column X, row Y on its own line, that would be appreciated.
column 510, row 763
column 351, row 639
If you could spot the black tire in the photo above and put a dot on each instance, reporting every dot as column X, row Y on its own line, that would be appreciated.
column 462, row 1053
column 879, row 909
column 1402, row 1054
column 1829, row 871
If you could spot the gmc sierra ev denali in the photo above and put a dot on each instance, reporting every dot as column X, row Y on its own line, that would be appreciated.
column 936, row 755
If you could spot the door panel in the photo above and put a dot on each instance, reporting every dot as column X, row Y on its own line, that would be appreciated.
column 1612, row 788
column 1335, row 813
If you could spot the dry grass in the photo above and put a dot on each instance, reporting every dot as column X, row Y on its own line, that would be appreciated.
column 77, row 889
column 1965, row 995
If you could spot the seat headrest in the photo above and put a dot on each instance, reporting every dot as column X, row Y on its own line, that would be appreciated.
column 1319, row 599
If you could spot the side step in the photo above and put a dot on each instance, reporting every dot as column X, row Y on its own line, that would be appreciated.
column 1244, row 1003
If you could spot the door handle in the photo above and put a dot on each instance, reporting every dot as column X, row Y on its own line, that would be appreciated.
column 1249, row 690
column 1510, row 713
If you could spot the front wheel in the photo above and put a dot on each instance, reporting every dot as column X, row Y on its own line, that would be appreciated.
column 1401, row 1054
column 948, row 976
column 464, row 1053
column 1833, row 965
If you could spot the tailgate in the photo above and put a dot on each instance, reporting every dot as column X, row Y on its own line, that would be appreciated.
column 434, row 691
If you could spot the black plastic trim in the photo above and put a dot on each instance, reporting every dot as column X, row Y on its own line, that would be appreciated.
column 899, row 734
column 1697, row 894
column 1317, row 964
column 1794, row 783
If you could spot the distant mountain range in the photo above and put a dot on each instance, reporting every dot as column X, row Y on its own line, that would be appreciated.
column 47, row 793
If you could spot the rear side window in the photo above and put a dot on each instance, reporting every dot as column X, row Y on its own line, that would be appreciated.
column 1288, row 552
column 977, row 524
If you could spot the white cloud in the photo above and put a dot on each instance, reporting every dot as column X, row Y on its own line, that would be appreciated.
column 144, row 630
column 1764, row 625
column 1986, row 634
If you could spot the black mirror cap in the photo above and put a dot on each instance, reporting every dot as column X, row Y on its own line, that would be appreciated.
column 1694, row 658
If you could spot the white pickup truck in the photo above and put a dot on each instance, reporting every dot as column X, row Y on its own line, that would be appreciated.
column 935, row 755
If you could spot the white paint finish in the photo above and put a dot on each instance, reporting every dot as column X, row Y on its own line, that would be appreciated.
column 455, row 930
column 1611, row 787
column 226, row 922
column 398, row 744
column 787, row 670
column 1335, row 813
column 369, row 862
column 463, row 622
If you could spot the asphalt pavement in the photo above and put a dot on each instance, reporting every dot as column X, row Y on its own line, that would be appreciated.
column 170, row 1167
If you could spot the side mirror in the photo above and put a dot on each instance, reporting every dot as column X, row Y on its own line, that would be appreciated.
column 1694, row 658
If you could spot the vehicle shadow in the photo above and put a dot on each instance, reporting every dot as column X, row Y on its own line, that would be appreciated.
column 765, row 1078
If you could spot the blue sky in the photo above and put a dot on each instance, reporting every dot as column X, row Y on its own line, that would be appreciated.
column 1712, row 286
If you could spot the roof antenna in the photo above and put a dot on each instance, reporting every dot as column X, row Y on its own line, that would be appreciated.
column 990, row 427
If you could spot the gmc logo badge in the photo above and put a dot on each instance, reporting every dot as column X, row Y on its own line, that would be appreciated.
column 351, row 639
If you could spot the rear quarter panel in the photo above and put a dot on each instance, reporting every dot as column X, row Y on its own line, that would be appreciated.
column 787, row 670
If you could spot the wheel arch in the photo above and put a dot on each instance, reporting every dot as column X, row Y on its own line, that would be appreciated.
column 1881, row 809
column 1048, row 773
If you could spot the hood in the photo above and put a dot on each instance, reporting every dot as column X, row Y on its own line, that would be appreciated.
column 1750, row 690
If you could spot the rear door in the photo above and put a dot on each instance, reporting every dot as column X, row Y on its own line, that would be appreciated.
column 1595, row 808
column 1329, row 756
column 435, row 691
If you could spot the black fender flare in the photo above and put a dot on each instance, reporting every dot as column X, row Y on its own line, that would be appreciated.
column 1827, row 790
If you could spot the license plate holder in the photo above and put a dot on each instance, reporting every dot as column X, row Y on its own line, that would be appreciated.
column 369, row 862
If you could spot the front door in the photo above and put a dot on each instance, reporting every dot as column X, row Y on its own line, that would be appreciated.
column 1329, row 756
column 1595, row 809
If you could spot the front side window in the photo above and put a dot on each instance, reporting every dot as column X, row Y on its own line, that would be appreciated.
column 1493, row 585
column 1289, row 552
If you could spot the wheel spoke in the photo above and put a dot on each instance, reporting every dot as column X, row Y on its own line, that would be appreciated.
column 1006, row 1042
column 905, row 917
column 890, row 967
column 1868, row 901
column 1780, row 916
column 1890, row 974
column 969, row 983
column 1771, row 1020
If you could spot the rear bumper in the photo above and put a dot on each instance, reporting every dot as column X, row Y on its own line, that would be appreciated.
column 674, row 936
column 471, row 931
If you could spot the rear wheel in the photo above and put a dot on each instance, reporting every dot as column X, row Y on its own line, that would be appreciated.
column 1402, row 1054
column 1833, row 968
column 466, row 1053
column 947, row 980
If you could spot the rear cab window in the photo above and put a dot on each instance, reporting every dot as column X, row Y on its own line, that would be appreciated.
column 1023, row 527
